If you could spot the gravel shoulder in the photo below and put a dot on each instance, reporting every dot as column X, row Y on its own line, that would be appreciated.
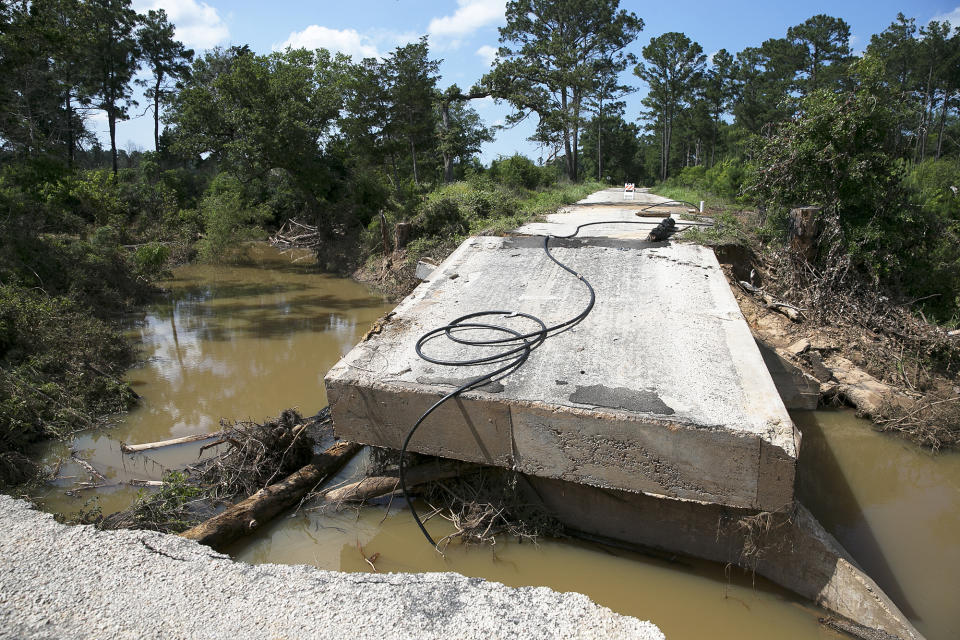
column 66, row 582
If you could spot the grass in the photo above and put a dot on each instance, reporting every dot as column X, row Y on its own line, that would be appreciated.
column 712, row 202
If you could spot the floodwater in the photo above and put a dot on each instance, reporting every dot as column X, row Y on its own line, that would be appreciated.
column 233, row 342
column 242, row 342
column 895, row 507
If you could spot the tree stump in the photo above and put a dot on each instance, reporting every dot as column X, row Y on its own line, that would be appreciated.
column 803, row 232
column 402, row 233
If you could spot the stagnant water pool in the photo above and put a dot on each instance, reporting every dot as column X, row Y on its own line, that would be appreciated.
column 241, row 342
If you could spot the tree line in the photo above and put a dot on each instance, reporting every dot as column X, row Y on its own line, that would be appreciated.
column 702, row 110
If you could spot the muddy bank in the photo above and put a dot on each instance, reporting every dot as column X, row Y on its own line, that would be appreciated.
column 896, row 369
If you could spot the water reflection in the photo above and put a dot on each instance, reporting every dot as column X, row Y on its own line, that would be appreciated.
column 226, row 342
column 894, row 507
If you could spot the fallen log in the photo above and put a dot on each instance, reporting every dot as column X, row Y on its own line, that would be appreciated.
column 248, row 515
column 133, row 448
column 377, row 486
column 96, row 475
column 772, row 303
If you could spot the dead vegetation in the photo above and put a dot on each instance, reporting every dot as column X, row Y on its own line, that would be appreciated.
column 843, row 314
column 488, row 503
column 259, row 454
column 481, row 504
column 931, row 422
column 253, row 456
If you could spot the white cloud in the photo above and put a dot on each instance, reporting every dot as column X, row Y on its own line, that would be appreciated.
column 953, row 17
column 198, row 25
column 469, row 16
column 348, row 41
column 487, row 52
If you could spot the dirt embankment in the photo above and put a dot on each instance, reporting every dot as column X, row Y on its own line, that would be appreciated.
column 892, row 372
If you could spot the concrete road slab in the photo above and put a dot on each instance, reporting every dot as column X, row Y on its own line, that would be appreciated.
column 661, row 389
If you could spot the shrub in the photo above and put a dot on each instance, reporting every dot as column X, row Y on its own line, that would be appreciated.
column 59, row 367
column 228, row 217
column 519, row 172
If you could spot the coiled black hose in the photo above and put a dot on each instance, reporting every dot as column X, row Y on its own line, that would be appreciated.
column 516, row 346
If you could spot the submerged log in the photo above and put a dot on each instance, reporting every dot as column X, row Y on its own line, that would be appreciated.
column 133, row 448
column 376, row 486
column 248, row 515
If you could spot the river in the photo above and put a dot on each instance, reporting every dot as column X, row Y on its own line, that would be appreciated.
column 244, row 342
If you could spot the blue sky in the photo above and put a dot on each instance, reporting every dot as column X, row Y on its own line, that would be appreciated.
column 464, row 34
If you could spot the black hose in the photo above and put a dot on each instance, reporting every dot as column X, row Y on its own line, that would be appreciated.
column 516, row 347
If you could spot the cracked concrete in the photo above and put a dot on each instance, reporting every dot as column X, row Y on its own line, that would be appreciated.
column 76, row 582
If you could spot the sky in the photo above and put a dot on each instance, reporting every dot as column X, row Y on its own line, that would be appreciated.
column 463, row 33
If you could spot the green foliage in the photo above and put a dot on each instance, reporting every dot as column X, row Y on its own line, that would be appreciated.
column 833, row 155
column 92, row 195
column 519, row 172
column 228, row 218
column 554, row 59
column 723, row 180
column 168, row 509
column 673, row 68
column 151, row 259
column 59, row 367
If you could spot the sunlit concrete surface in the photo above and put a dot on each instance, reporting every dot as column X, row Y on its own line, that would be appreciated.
column 660, row 390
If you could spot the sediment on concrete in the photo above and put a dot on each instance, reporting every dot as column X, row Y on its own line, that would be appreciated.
column 660, row 390
column 789, row 547
column 77, row 582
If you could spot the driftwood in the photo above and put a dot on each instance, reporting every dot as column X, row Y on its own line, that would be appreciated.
column 772, row 303
column 96, row 475
column 136, row 482
column 294, row 234
column 377, row 486
column 248, row 515
column 133, row 448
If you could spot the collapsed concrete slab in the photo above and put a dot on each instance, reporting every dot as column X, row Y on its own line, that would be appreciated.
column 789, row 547
column 661, row 390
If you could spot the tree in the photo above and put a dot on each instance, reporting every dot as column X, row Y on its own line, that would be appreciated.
column 833, row 155
column 674, row 65
column 718, row 92
column 897, row 47
column 764, row 76
column 939, row 54
column 824, row 43
column 619, row 156
column 167, row 58
column 113, row 58
column 462, row 131
column 259, row 116
column 411, row 78
column 42, row 63
column 366, row 112
column 551, row 54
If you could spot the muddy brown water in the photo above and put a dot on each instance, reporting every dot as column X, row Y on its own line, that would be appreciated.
column 244, row 342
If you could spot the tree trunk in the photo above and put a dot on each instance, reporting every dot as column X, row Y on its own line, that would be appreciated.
column 70, row 137
column 447, row 158
column 413, row 157
column 567, row 156
column 385, row 235
column 599, row 155
column 376, row 486
column 943, row 117
column 156, row 115
column 248, row 515
column 112, row 120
